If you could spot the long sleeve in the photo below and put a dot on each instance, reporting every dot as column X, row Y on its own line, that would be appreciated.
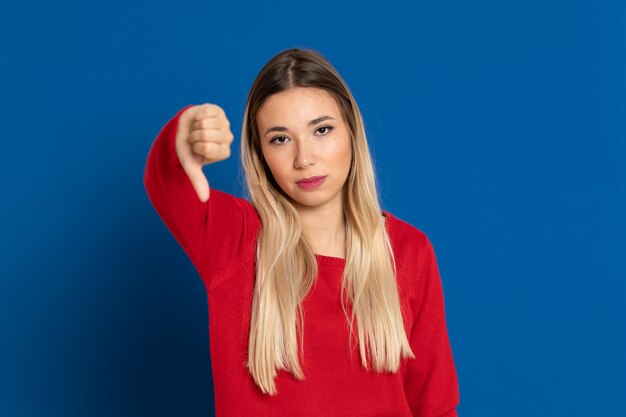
column 431, row 384
column 213, row 234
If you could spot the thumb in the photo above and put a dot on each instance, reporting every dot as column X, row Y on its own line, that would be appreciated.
column 198, row 180
column 190, row 162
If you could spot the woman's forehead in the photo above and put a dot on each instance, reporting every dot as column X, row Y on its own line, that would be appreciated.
column 298, row 105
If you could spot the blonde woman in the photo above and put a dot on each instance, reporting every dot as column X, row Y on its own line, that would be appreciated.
column 320, row 303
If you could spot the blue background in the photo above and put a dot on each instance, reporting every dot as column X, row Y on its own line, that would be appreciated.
column 498, row 128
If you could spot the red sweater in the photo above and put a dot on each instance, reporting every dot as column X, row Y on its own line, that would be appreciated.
column 219, row 238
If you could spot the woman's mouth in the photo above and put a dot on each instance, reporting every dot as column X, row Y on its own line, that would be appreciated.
column 311, row 182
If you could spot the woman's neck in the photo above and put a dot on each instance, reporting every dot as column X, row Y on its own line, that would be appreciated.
column 324, row 227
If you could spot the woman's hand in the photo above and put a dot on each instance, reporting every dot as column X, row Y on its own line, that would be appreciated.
column 203, row 137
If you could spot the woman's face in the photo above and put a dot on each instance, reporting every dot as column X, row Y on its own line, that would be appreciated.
column 303, row 136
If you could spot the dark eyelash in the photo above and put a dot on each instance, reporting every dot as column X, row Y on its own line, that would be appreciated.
column 273, row 140
column 329, row 129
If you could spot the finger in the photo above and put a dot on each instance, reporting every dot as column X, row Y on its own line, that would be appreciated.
column 207, row 123
column 198, row 181
column 208, row 110
column 204, row 135
column 211, row 150
column 211, row 135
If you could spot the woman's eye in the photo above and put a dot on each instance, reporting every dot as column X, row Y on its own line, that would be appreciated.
column 328, row 129
column 278, row 140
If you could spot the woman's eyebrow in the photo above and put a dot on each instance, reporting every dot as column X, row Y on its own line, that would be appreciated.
column 284, row 129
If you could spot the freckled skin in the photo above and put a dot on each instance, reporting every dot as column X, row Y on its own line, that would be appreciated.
column 303, row 150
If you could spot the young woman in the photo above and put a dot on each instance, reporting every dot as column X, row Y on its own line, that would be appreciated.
column 320, row 303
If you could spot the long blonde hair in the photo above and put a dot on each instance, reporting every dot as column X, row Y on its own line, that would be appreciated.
column 286, row 265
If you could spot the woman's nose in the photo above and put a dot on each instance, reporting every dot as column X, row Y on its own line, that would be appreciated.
column 305, row 154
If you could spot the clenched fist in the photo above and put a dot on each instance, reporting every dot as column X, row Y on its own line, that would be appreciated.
column 203, row 137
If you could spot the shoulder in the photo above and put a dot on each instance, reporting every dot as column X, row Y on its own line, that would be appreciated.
column 402, row 233
column 411, row 246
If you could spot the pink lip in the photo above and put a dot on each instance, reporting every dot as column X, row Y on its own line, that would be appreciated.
column 311, row 182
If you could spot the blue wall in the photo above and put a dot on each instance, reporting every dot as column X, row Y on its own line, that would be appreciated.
column 498, row 128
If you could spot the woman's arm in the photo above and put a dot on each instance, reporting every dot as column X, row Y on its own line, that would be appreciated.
column 431, row 384
column 212, row 233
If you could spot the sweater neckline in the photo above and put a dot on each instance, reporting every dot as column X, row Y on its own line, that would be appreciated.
column 324, row 260
column 339, row 262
